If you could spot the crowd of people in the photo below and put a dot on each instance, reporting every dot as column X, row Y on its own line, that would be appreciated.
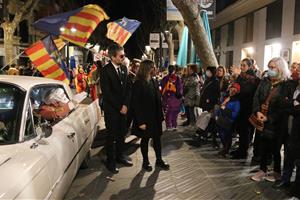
column 241, row 101
column 257, row 107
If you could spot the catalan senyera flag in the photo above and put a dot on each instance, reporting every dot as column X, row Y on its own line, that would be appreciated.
column 74, row 26
column 120, row 30
column 59, row 43
column 45, row 56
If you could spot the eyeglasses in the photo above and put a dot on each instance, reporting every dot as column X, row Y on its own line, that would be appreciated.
column 122, row 56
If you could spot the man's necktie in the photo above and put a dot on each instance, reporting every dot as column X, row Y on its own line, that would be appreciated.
column 119, row 71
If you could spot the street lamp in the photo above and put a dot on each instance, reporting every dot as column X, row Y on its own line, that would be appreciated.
column 62, row 29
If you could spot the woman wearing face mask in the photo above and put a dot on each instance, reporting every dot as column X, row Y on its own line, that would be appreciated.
column 290, row 130
column 270, row 102
column 210, row 91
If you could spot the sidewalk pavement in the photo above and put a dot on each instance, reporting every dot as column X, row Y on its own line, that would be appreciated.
column 195, row 173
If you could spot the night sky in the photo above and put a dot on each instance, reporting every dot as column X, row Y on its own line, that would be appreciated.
column 151, row 13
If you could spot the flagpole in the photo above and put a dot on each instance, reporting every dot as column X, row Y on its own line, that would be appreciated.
column 12, row 60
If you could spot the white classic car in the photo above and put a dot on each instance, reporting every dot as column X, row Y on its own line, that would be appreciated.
column 39, row 159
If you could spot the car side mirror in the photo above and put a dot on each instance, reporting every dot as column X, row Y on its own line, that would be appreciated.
column 44, row 130
column 47, row 130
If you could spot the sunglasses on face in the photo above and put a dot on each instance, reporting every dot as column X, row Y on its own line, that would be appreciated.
column 122, row 56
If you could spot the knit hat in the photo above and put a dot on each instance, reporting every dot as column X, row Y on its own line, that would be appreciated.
column 236, row 86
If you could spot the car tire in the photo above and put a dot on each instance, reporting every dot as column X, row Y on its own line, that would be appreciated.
column 86, row 161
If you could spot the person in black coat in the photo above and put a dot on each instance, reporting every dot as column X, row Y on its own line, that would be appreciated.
column 115, row 88
column 210, row 92
column 248, row 82
column 269, row 105
column 147, row 112
column 295, row 142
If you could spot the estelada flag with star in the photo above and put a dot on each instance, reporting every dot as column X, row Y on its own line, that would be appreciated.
column 121, row 30
column 75, row 26
column 46, row 58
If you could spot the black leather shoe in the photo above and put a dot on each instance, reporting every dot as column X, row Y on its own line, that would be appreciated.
column 112, row 168
column 160, row 163
column 125, row 162
column 147, row 167
column 239, row 156
column 281, row 185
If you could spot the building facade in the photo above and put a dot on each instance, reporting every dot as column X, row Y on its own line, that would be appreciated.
column 260, row 29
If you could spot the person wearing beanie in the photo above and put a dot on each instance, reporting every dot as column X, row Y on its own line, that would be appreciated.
column 226, row 115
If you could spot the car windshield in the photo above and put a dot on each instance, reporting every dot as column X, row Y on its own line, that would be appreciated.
column 11, row 104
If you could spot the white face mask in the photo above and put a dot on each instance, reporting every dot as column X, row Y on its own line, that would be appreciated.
column 208, row 73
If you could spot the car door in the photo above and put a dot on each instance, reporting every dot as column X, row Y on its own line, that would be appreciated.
column 62, row 144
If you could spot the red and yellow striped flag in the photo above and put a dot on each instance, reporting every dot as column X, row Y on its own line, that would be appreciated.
column 79, row 27
column 74, row 26
column 45, row 62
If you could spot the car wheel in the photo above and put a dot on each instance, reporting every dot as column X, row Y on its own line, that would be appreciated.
column 86, row 161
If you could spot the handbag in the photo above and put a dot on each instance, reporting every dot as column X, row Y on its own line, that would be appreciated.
column 223, row 121
column 254, row 121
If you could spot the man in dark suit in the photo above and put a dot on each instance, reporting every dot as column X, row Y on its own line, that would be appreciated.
column 116, row 97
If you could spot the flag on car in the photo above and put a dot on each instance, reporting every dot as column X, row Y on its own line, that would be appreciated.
column 46, row 58
column 120, row 30
column 74, row 26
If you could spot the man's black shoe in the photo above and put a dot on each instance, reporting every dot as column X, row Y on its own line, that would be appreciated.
column 160, row 163
column 112, row 168
column 279, row 185
column 147, row 167
column 238, row 157
column 235, row 152
column 125, row 162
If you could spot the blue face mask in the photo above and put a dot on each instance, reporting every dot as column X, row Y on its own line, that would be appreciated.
column 272, row 73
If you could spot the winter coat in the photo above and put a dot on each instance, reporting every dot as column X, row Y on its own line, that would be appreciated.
column 295, row 132
column 191, row 90
column 278, row 105
column 146, row 108
column 248, row 82
column 210, row 94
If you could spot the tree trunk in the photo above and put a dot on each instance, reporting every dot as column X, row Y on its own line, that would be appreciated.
column 169, row 40
column 190, row 13
column 179, row 28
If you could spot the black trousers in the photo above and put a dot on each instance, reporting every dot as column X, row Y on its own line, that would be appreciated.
column 116, row 130
column 273, row 146
column 257, row 144
column 243, row 128
column 156, row 146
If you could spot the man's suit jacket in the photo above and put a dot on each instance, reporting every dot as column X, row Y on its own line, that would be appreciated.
column 115, row 89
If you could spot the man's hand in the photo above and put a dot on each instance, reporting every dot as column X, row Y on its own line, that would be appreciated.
column 124, row 110
column 143, row 127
